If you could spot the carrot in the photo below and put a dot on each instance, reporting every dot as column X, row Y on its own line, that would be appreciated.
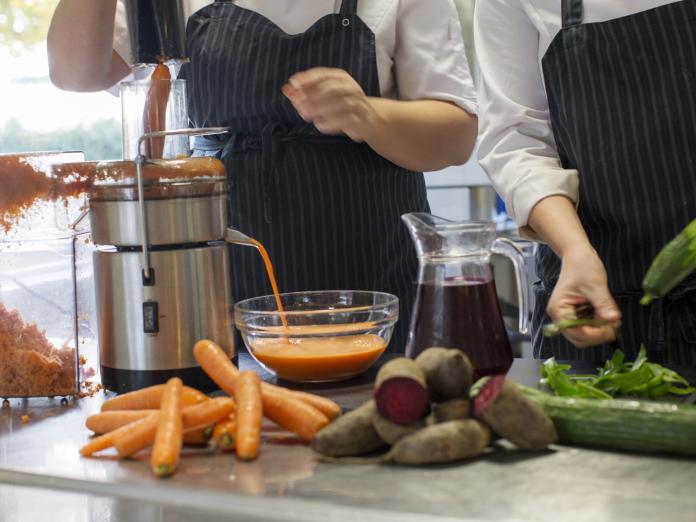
column 294, row 415
column 107, row 421
column 195, row 417
column 217, row 365
column 198, row 437
column 279, row 406
column 138, row 437
column 224, row 373
column 324, row 405
column 107, row 440
column 155, row 114
column 225, row 433
column 206, row 414
column 247, row 393
column 170, row 431
column 149, row 399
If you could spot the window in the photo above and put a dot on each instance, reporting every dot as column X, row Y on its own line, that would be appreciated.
column 35, row 115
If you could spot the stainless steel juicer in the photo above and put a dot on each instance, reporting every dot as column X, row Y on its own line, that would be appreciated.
column 161, row 268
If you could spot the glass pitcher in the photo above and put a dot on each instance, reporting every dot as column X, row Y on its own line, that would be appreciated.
column 456, row 302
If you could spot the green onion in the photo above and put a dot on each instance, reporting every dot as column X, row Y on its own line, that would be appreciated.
column 553, row 329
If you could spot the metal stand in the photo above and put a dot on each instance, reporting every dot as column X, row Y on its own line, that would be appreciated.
column 148, row 279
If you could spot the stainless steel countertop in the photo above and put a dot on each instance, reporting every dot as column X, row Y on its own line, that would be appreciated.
column 287, row 483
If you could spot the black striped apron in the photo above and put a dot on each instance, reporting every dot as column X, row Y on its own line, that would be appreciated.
column 326, row 208
column 622, row 99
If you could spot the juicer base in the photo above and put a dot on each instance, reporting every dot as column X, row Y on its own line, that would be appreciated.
column 121, row 381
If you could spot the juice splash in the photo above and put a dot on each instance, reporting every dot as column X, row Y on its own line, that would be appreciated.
column 272, row 279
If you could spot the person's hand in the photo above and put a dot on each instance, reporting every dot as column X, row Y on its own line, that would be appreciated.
column 583, row 280
column 333, row 101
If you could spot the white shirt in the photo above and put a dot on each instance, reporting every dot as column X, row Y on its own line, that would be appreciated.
column 517, row 148
column 419, row 46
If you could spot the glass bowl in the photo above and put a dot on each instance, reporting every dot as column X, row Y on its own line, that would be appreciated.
column 329, row 336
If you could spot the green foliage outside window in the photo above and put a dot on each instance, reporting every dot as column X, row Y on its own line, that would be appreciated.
column 100, row 140
column 24, row 23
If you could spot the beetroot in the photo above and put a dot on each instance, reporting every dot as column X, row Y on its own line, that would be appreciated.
column 390, row 432
column 453, row 409
column 401, row 394
column 445, row 442
column 500, row 405
column 349, row 434
column 448, row 373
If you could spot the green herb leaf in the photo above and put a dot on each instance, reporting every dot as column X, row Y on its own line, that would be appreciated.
column 639, row 378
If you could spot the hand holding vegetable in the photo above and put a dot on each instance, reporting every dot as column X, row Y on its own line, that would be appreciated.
column 583, row 280
column 584, row 316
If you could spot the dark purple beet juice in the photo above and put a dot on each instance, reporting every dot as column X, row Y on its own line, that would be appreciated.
column 462, row 313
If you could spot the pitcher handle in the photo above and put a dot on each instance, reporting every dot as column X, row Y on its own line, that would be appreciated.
column 509, row 249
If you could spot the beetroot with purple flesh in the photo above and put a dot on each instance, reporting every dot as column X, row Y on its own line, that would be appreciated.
column 500, row 405
column 401, row 393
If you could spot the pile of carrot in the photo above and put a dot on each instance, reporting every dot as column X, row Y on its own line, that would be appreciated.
column 168, row 416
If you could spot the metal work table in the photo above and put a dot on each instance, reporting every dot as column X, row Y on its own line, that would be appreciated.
column 42, row 474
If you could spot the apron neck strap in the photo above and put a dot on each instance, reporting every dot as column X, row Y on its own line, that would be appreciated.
column 349, row 7
column 572, row 13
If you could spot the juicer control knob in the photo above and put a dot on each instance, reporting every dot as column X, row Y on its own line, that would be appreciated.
column 150, row 317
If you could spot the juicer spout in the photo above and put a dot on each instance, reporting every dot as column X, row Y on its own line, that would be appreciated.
column 233, row 235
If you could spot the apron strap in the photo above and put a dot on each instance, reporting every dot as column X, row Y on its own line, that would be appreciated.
column 572, row 13
column 349, row 7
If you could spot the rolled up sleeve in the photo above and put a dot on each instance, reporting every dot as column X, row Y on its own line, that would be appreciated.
column 121, row 39
column 429, row 59
column 516, row 143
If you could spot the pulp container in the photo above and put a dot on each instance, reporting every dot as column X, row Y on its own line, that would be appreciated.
column 46, row 299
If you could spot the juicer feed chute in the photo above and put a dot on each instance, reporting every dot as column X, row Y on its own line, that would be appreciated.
column 157, row 30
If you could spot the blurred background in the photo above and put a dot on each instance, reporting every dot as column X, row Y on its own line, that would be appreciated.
column 34, row 115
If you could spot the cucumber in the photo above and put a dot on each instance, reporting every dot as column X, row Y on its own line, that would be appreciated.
column 639, row 426
column 673, row 263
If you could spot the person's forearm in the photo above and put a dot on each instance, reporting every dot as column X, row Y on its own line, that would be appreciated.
column 422, row 135
column 555, row 220
column 80, row 46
